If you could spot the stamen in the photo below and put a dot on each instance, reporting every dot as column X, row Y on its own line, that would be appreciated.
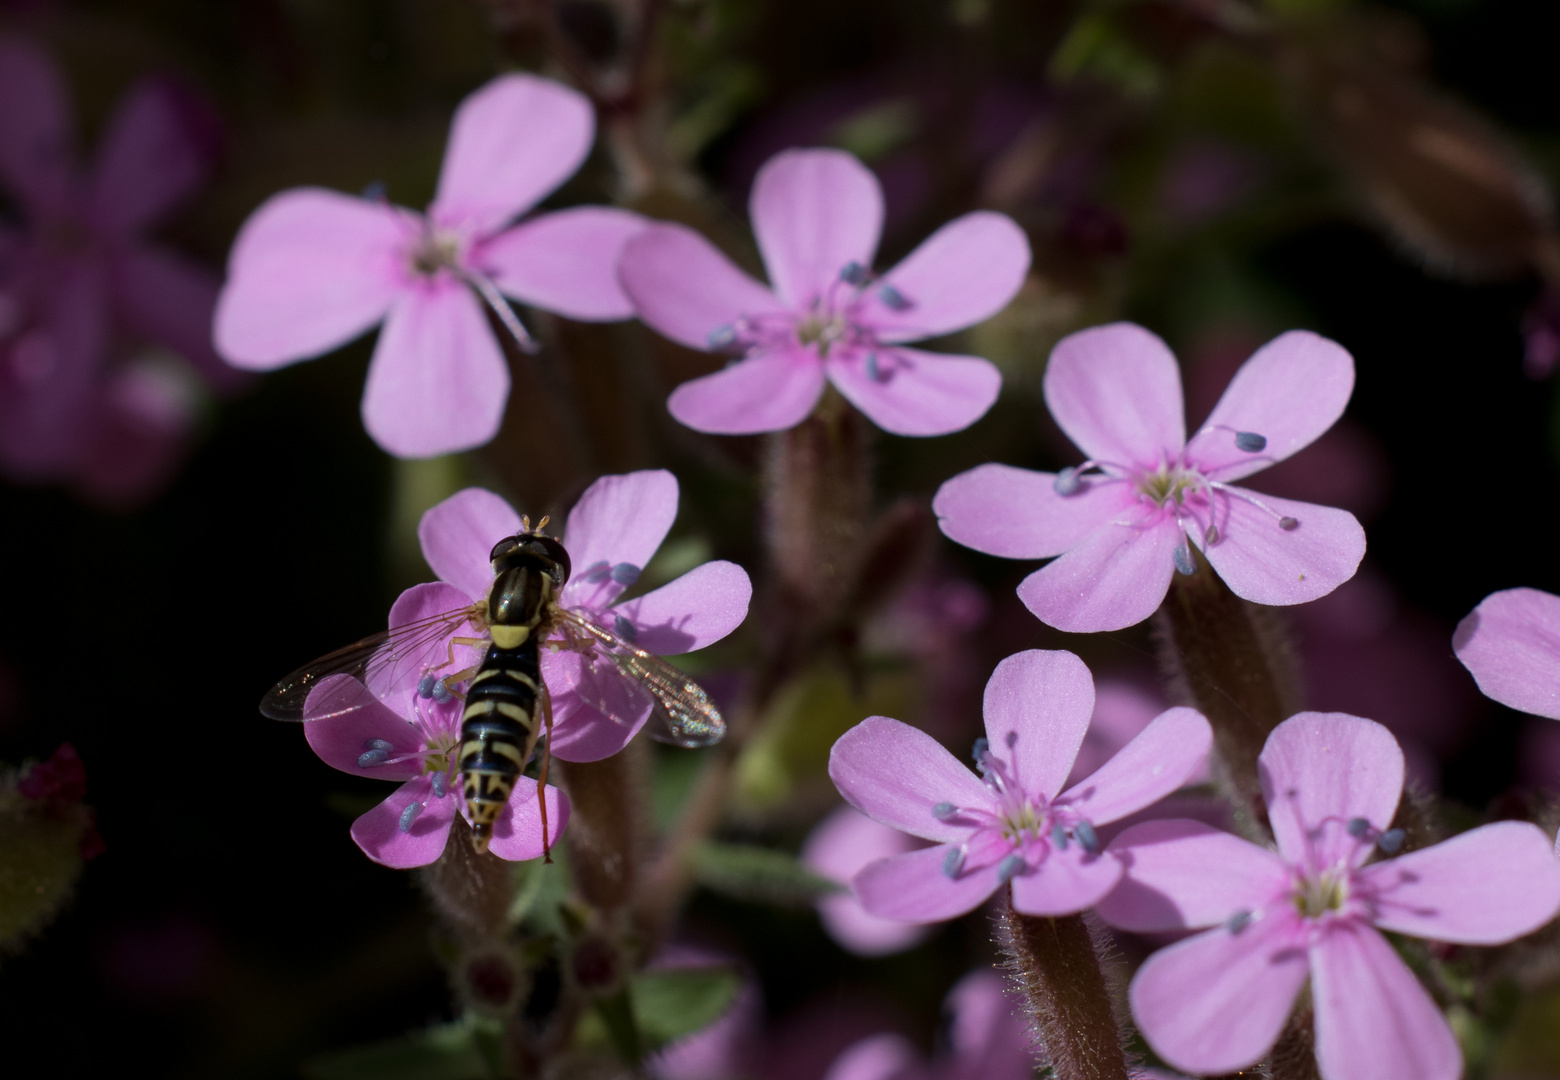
column 1211, row 535
column 1358, row 827
column 625, row 629
column 379, row 744
column 1183, row 559
column 980, row 749
column 1087, row 838
column 409, row 815
column 425, row 684
column 1391, row 841
column 1238, row 922
column 875, row 370
column 1059, row 838
column 500, row 307
column 722, row 338
column 626, row 573
column 441, row 784
column 1008, row 867
column 1250, row 441
column 369, row 758
column 1288, row 524
column 441, row 693
column 375, row 191
column 598, row 572
column 853, row 273
column 893, row 298
column 1067, row 482
column 1010, row 739
column 944, row 810
column 953, row 862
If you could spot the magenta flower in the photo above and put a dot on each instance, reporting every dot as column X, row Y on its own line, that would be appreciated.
column 1121, row 522
column 81, row 281
column 1511, row 644
column 312, row 269
column 1215, row 1003
column 611, row 534
column 840, row 847
column 358, row 733
column 817, row 215
column 1009, row 824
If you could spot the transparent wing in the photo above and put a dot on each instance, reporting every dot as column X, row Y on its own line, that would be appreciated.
column 387, row 663
column 625, row 683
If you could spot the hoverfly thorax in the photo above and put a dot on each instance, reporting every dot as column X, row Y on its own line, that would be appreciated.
column 530, row 568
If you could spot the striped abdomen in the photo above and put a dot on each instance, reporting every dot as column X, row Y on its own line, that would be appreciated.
column 499, row 718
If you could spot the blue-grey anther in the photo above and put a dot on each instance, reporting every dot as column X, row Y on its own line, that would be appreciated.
column 425, row 684
column 723, row 337
column 1183, row 560
column 1010, row 739
column 625, row 629
column 1087, row 839
column 596, row 573
column 953, row 862
column 874, row 370
column 369, row 758
column 1067, row 482
column 944, row 810
column 853, row 273
column 376, row 191
column 893, row 298
column 626, row 573
column 409, row 815
column 1238, row 921
column 1358, row 827
column 1250, row 441
column 1391, row 841
column 1288, row 524
column 980, row 749
column 379, row 744
column 1059, row 838
column 441, row 693
column 1008, row 867
column 441, row 784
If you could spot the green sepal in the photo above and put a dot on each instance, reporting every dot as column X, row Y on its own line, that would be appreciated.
column 666, row 1006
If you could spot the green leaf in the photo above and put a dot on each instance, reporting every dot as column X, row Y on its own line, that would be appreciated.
column 463, row 1050
column 761, row 874
column 667, row 1005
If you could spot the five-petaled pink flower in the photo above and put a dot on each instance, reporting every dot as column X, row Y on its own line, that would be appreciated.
column 1009, row 824
column 416, row 740
column 1215, row 1003
column 1511, row 644
column 840, row 846
column 80, row 282
column 1121, row 522
column 817, row 215
column 613, row 530
column 312, row 269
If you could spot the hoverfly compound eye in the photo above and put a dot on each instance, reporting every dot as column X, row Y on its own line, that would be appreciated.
column 504, row 547
column 558, row 556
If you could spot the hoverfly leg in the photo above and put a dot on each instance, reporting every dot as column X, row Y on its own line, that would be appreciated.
column 541, row 780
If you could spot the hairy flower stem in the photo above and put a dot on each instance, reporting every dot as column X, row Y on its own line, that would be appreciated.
column 471, row 892
column 605, row 809
column 1294, row 1055
column 1059, row 972
column 1229, row 660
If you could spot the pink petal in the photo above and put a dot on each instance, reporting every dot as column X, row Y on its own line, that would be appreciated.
column 1511, row 644
column 351, row 716
column 989, row 1030
column 1373, row 1019
column 511, row 143
column 813, row 212
column 841, row 846
column 685, row 288
column 1216, row 1002
column 395, row 683
column 149, row 161
column 584, row 733
column 1017, row 514
column 379, row 834
column 963, row 274
column 1067, row 882
column 1291, row 390
column 438, row 382
column 169, row 299
column 36, row 132
column 619, row 519
column 1159, row 760
column 1115, row 578
column 1267, row 564
column 914, row 888
column 1183, row 875
column 877, row 1057
column 896, row 774
column 458, row 534
column 920, row 393
column 311, row 269
column 764, row 391
column 1037, row 708
column 565, row 262
column 517, row 834
column 701, row 607
column 1328, row 767
column 1116, row 392
column 579, row 691
column 141, row 428
column 1483, row 887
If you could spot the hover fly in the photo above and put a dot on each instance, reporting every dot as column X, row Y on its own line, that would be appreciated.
column 501, row 692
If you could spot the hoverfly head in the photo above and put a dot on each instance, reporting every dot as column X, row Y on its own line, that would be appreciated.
column 535, row 547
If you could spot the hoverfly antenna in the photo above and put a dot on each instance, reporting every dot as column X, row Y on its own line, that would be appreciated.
column 540, row 525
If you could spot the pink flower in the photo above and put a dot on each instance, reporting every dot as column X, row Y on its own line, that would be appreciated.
column 1122, row 521
column 839, row 847
column 817, row 215
column 611, row 534
column 80, row 281
column 1511, row 644
column 357, row 733
column 1215, row 1003
column 1009, row 824
column 312, row 269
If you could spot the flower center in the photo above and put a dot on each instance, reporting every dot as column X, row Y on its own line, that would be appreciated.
column 1322, row 894
column 1170, row 483
column 434, row 250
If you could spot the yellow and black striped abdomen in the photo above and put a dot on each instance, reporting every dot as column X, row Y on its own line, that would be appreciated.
column 499, row 718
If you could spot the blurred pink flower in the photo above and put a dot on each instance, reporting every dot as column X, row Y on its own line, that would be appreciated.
column 1511, row 644
column 1009, row 825
column 1216, row 1002
column 722, row 1050
column 358, row 733
column 312, row 269
column 612, row 532
column 839, row 847
column 817, row 215
column 81, row 277
column 1122, row 521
